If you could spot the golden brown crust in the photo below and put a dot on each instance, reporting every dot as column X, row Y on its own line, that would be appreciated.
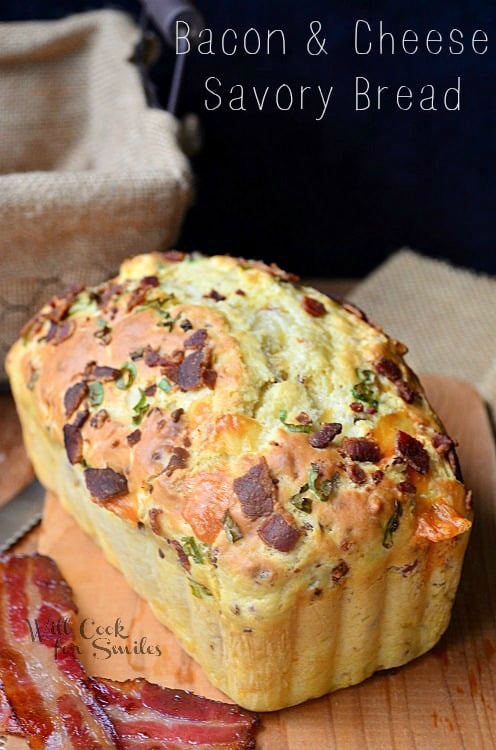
column 257, row 426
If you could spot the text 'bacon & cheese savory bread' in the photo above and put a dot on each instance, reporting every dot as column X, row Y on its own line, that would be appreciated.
column 258, row 461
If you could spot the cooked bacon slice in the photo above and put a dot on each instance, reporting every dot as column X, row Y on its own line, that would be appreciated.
column 47, row 697
column 148, row 716
column 8, row 723
column 43, row 680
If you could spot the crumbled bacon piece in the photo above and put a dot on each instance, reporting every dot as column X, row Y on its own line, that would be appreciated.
column 151, row 281
column 74, row 396
column 313, row 307
column 181, row 554
column 99, row 419
column 339, row 571
column 105, row 484
column 240, row 292
column 351, row 308
column 151, row 357
column 186, row 325
column 255, row 490
column 412, row 451
column 356, row 407
column 442, row 443
column 361, row 449
column 389, row 369
column 104, row 373
column 73, row 442
column 392, row 372
column 197, row 340
column 154, row 516
column 190, row 370
column 173, row 256
column 177, row 414
column 59, row 332
column 81, row 417
column 377, row 476
column 405, row 392
column 278, row 533
column 150, row 390
column 32, row 326
column 178, row 460
column 215, row 295
column 209, row 378
column 139, row 294
column 134, row 437
column 406, row 488
column 303, row 418
column 356, row 473
column 324, row 437
column 273, row 269
column 107, row 292
column 61, row 304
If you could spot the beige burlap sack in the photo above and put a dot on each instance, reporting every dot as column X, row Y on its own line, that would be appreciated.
column 446, row 315
column 88, row 173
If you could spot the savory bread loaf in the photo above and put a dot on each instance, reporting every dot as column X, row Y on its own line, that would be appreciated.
column 258, row 461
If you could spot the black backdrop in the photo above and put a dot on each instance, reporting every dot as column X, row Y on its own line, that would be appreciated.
column 337, row 196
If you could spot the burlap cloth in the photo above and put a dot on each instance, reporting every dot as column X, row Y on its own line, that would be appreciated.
column 445, row 315
column 88, row 173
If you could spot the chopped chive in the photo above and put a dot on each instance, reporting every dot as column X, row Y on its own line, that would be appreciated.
column 140, row 409
column 95, row 394
column 283, row 415
column 192, row 549
column 127, row 376
column 231, row 528
column 366, row 390
column 198, row 589
column 392, row 525
column 164, row 385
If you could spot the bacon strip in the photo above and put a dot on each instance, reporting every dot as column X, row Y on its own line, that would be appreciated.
column 48, row 698
column 43, row 680
column 148, row 716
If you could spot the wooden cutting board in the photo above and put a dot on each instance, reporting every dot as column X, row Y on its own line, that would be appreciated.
column 445, row 700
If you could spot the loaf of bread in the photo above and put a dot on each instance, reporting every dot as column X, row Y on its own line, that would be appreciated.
column 258, row 461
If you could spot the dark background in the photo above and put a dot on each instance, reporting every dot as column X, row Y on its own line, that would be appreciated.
column 336, row 197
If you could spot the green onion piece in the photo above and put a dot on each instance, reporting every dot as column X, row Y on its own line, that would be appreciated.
column 164, row 385
column 231, row 528
column 198, row 589
column 127, row 376
column 366, row 390
column 312, row 476
column 156, row 304
column 302, row 503
column 95, row 395
column 192, row 548
column 324, row 490
column 365, row 376
column 283, row 415
column 83, row 303
column 392, row 525
column 140, row 409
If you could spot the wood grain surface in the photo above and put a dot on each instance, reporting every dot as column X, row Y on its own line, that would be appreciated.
column 445, row 700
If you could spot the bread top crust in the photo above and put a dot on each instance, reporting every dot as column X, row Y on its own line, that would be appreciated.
column 255, row 424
